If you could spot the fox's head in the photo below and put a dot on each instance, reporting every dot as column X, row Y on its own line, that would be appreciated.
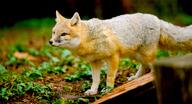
column 66, row 32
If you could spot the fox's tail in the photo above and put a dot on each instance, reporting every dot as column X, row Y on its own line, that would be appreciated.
column 174, row 37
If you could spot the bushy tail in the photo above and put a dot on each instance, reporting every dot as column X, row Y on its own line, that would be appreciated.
column 175, row 38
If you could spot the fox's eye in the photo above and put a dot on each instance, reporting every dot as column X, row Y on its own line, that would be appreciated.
column 63, row 34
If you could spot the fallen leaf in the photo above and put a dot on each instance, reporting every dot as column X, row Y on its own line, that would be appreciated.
column 24, row 55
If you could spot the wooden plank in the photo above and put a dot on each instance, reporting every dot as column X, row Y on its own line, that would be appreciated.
column 125, row 88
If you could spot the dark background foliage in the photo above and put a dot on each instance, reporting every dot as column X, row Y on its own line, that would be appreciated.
column 12, row 11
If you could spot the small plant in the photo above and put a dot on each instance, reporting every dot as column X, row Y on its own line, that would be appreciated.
column 35, row 73
column 19, row 48
column 67, row 88
column 42, row 92
column 12, row 60
column 2, row 70
column 59, row 101
column 78, row 101
column 13, row 85
column 85, row 86
column 106, row 90
column 83, row 72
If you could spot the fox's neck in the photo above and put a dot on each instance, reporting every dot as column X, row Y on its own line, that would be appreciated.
column 85, row 47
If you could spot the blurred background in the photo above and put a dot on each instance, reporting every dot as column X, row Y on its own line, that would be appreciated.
column 32, row 71
column 11, row 11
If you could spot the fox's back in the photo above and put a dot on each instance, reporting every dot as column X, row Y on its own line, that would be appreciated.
column 135, row 29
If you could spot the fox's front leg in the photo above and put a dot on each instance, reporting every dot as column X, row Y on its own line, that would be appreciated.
column 96, row 69
column 113, row 63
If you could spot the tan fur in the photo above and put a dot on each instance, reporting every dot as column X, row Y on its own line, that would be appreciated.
column 136, row 36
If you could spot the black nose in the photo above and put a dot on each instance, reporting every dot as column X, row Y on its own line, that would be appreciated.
column 50, row 42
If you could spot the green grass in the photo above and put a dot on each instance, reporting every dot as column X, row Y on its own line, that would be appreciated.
column 13, row 84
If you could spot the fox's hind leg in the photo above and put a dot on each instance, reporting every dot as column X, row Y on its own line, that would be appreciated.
column 143, row 69
column 146, row 57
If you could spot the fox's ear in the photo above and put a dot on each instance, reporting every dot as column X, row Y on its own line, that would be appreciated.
column 75, row 19
column 59, row 17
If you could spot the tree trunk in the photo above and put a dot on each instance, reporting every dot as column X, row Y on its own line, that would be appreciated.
column 173, row 77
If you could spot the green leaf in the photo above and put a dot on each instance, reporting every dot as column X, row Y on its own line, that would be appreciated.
column 29, row 86
column 55, row 59
column 12, row 60
column 59, row 101
column 86, row 85
column 34, row 52
column 45, row 66
column 35, row 74
column 19, row 47
column 2, row 69
column 65, row 53
column 20, row 88
column 3, row 91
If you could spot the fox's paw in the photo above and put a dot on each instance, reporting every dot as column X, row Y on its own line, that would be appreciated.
column 90, row 92
column 132, row 78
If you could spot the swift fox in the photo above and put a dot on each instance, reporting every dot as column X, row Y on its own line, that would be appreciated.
column 137, row 36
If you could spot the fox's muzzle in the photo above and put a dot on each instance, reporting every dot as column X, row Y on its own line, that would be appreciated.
column 50, row 42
